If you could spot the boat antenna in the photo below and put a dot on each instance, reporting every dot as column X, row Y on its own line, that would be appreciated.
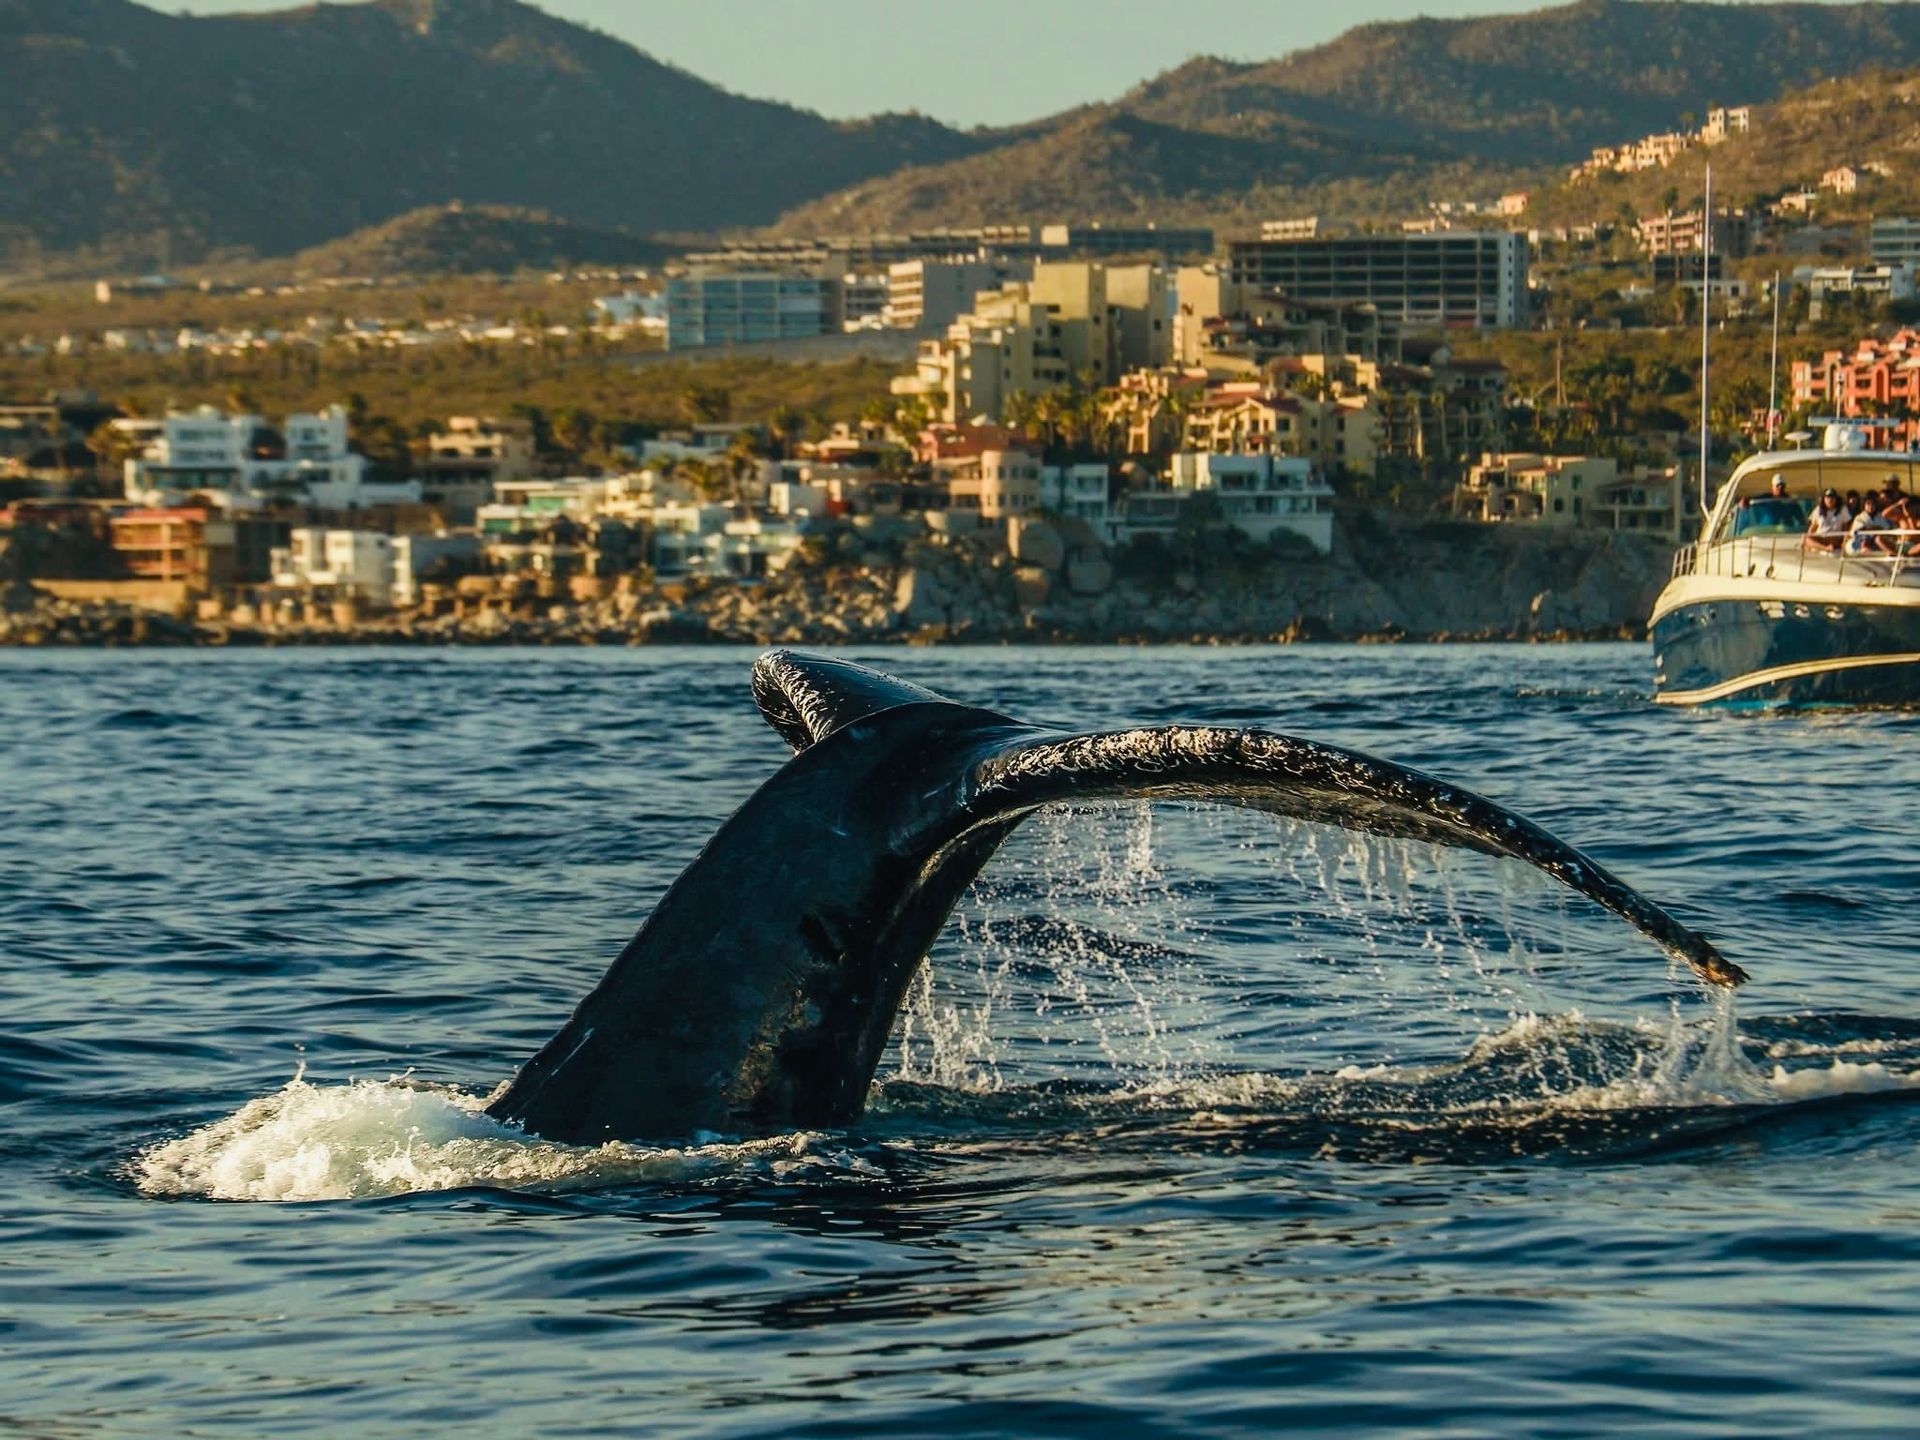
column 1706, row 311
column 1773, row 368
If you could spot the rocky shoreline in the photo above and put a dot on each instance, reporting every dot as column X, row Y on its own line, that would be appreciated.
column 1431, row 583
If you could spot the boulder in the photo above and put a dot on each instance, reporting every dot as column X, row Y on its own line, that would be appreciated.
column 1031, row 586
column 1034, row 542
column 953, row 522
column 1089, row 574
column 920, row 599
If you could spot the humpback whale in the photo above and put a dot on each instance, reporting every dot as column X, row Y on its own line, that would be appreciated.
column 759, row 994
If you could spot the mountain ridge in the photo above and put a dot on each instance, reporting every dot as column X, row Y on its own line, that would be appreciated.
column 158, row 138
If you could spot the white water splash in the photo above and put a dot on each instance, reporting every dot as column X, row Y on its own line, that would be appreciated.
column 395, row 1137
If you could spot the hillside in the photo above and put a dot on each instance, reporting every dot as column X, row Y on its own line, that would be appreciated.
column 1369, row 124
column 173, row 137
column 1873, row 117
column 143, row 138
column 1544, row 86
column 1109, row 163
column 475, row 240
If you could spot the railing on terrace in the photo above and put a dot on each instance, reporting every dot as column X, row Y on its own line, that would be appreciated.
column 1790, row 558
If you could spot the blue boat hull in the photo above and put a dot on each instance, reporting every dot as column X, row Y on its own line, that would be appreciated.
column 1725, row 651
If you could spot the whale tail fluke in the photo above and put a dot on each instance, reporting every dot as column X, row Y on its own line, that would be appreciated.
column 809, row 698
column 761, row 991
column 1308, row 780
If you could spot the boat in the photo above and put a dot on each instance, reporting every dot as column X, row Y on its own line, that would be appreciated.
column 1756, row 614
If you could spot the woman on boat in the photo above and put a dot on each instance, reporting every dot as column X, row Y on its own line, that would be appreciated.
column 1827, row 526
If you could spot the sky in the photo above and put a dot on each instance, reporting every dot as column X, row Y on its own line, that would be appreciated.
column 967, row 62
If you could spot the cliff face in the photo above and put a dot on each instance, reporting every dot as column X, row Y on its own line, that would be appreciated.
column 1382, row 581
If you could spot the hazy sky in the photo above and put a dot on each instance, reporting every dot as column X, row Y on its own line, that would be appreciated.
column 967, row 62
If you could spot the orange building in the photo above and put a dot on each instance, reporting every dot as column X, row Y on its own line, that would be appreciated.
column 1877, row 379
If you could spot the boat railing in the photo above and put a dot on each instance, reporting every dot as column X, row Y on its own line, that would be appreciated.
column 1792, row 558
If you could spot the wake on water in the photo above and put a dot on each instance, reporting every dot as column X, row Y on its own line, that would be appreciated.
column 1522, row 1086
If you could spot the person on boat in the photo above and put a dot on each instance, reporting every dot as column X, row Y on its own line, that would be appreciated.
column 1853, row 506
column 1900, row 511
column 1864, row 537
column 1828, row 525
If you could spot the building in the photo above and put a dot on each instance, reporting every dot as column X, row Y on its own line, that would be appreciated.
column 357, row 564
column 1895, row 240
column 1101, row 241
column 1301, row 227
column 1671, row 234
column 1686, row 267
column 872, row 252
column 995, row 484
column 1262, row 495
column 1427, row 406
column 1878, row 379
column 239, row 462
column 1567, row 491
column 712, row 307
column 680, row 535
column 187, row 544
column 1877, row 282
column 932, row 294
column 1724, row 122
column 1458, row 277
column 863, row 301
column 1072, row 323
column 1080, row 492
column 464, row 461
column 1224, row 326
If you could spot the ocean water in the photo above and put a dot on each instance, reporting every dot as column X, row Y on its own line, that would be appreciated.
column 1197, row 1124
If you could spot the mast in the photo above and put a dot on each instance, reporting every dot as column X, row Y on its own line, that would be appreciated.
column 1706, row 311
column 1773, row 368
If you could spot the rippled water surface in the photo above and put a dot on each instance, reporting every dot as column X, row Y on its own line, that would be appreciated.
column 1197, row 1123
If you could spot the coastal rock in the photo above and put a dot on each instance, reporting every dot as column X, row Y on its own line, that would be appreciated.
column 1035, row 543
column 1031, row 586
column 920, row 599
column 1089, row 574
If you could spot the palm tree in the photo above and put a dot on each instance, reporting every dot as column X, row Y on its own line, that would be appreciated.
column 742, row 461
column 784, row 426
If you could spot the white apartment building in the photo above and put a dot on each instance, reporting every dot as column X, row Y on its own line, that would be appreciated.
column 932, row 294
column 1259, row 494
column 680, row 533
column 1078, row 491
column 244, row 464
column 379, row 570
column 359, row 563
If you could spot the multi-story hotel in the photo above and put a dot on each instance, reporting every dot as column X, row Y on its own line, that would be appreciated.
column 1455, row 278
column 737, row 308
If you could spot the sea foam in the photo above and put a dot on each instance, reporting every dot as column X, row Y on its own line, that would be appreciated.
column 372, row 1138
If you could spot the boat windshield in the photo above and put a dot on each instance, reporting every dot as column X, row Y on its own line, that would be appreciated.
column 1770, row 515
